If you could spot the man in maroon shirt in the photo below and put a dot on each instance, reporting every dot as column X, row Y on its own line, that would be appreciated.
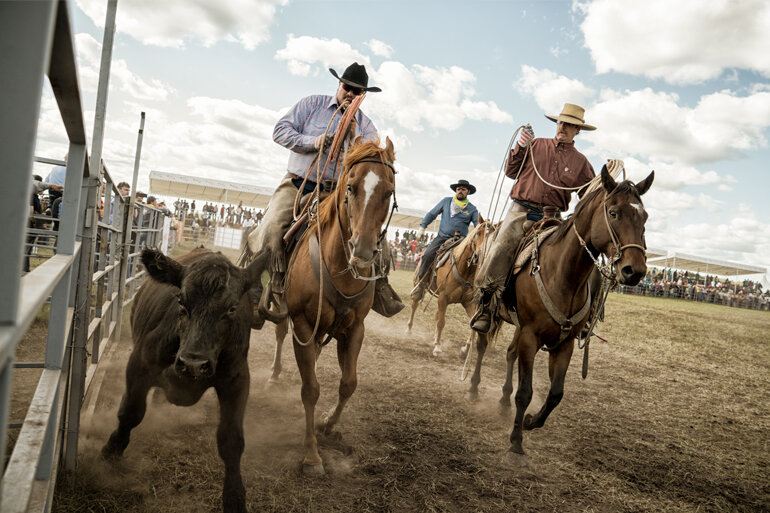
column 546, row 172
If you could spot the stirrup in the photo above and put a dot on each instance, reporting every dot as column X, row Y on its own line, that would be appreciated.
column 481, row 321
column 417, row 292
column 272, row 305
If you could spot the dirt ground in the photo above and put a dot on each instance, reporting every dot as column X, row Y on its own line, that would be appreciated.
column 674, row 416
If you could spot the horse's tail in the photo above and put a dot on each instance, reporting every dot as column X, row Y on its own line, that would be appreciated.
column 247, row 255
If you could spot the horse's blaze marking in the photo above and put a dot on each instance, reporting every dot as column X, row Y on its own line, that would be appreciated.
column 370, row 183
column 639, row 208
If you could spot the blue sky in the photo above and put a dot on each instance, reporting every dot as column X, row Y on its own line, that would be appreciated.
column 679, row 87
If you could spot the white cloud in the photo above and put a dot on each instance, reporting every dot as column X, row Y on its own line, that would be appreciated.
column 557, row 51
column 121, row 77
column 379, row 48
column 412, row 97
column 679, row 42
column 668, row 176
column 303, row 52
column 224, row 139
column 742, row 238
column 551, row 90
column 653, row 125
column 171, row 23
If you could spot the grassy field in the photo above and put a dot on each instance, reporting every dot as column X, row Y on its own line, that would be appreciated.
column 674, row 416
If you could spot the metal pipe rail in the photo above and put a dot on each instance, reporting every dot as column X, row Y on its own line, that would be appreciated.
column 95, row 247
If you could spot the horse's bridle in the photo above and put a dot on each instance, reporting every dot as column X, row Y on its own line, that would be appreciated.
column 615, row 242
column 353, row 270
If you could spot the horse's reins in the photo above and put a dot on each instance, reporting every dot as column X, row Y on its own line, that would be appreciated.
column 336, row 144
column 611, row 275
column 353, row 270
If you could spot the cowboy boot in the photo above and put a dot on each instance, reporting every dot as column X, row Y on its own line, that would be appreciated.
column 272, row 304
column 481, row 322
column 386, row 301
column 417, row 292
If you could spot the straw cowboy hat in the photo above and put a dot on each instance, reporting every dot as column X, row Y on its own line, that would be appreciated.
column 573, row 114
column 355, row 76
column 463, row 183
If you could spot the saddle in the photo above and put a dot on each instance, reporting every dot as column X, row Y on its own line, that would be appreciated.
column 442, row 255
column 446, row 249
column 542, row 229
column 299, row 226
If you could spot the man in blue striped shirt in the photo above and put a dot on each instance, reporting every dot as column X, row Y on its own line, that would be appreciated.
column 301, row 130
column 457, row 213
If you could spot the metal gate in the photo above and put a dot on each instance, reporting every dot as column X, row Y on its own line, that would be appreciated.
column 93, row 271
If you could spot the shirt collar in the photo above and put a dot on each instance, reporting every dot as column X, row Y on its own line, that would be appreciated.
column 566, row 145
column 332, row 102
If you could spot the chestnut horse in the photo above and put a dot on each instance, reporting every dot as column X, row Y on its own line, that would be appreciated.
column 608, row 220
column 454, row 283
column 330, row 279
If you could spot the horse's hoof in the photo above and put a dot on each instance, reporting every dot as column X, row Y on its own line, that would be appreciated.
column 273, row 380
column 437, row 351
column 408, row 330
column 463, row 353
column 313, row 469
column 528, row 424
column 505, row 401
column 472, row 395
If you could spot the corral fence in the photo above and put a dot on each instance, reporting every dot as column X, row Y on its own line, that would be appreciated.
column 83, row 266
column 718, row 296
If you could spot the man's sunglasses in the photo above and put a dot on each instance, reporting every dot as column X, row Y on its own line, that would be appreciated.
column 355, row 90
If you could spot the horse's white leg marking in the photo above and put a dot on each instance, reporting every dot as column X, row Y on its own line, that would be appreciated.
column 370, row 183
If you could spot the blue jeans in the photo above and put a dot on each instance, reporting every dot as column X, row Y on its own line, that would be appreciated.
column 429, row 255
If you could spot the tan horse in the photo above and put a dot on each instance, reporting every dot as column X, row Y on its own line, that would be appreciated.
column 454, row 283
column 551, row 296
column 329, row 281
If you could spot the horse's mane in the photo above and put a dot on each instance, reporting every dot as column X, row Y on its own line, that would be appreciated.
column 366, row 149
column 468, row 238
column 626, row 186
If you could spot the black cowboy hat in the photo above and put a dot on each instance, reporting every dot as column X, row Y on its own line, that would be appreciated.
column 355, row 76
column 464, row 183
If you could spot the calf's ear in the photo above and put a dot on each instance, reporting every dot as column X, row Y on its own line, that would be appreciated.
column 162, row 268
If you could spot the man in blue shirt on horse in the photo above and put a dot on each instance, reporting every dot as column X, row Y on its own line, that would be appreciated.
column 303, row 130
column 456, row 214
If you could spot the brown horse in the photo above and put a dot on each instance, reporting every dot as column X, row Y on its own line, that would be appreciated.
column 329, row 281
column 609, row 220
column 454, row 282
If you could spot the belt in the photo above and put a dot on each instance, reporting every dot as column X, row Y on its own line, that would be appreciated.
column 326, row 185
column 526, row 206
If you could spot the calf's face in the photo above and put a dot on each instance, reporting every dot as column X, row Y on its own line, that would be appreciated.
column 211, row 313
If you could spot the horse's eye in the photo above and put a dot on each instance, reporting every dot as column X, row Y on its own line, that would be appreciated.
column 350, row 189
column 613, row 214
column 232, row 310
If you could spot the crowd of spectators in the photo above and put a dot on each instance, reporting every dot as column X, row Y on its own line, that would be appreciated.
column 673, row 283
column 233, row 216
column 407, row 248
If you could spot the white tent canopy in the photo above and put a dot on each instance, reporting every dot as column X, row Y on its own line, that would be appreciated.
column 655, row 253
column 208, row 189
column 174, row 185
column 704, row 265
